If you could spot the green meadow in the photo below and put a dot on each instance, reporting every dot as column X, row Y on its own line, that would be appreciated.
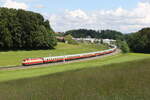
column 6, row 75
column 119, row 77
column 13, row 58
column 116, row 77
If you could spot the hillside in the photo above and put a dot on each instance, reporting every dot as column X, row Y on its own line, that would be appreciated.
column 110, row 82
column 12, row 58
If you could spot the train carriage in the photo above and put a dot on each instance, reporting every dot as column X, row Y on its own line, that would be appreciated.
column 32, row 61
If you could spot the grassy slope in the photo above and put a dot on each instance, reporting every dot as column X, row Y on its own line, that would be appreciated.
column 13, row 58
column 124, row 81
column 18, row 74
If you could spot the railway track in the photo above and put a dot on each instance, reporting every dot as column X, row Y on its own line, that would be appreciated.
column 57, row 63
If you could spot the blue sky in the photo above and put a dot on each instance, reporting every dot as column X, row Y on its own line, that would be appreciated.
column 53, row 6
column 122, row 15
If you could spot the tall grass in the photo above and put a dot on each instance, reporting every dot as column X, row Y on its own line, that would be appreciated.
column 122, row 81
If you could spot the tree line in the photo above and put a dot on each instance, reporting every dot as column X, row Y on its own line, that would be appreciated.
column 135, row 42
column 104, row 34
column 21, row 29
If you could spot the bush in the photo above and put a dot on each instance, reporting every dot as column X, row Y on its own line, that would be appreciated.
column 69, row 39
column 123, row 46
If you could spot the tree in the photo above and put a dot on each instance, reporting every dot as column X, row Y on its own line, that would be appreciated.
column 123, row 46
column 21, row 29
column 70, row 40
column 7, row 39
column 139, row 41
column 105, row 34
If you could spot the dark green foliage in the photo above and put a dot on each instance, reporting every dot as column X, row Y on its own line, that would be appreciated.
column 6, row 38
column 112, row 34
column 139, row 41
column 82, row 33
column 123, row 81
column 123, row 46
column 105, row 34
column 21, row 29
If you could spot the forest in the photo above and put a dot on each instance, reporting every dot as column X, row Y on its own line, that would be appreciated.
column 139, row 41
column 104, row 34
column 21, row 29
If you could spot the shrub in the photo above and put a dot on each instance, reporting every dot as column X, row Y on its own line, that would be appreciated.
column 69, row 39
column 123, row 46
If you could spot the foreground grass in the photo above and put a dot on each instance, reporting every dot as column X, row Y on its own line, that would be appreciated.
column 13, row 58
column 122, row 81
column 33, row 72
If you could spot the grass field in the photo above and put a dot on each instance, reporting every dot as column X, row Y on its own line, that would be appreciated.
column 13, row 58
column 119, row 80
column 33, row 72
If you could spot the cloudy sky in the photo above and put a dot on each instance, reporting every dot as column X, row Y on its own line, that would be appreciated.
column 122, row 15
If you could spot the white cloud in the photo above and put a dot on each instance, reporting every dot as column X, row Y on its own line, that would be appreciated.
column 14, row 4
column 118, row 19
column 145, row 0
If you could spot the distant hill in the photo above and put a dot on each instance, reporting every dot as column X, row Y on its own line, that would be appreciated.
column 105, row 34
column 21, row 29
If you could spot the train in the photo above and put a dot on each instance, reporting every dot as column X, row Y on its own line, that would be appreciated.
column 45, row 60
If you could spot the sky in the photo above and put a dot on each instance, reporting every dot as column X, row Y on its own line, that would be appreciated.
column 122, row 15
